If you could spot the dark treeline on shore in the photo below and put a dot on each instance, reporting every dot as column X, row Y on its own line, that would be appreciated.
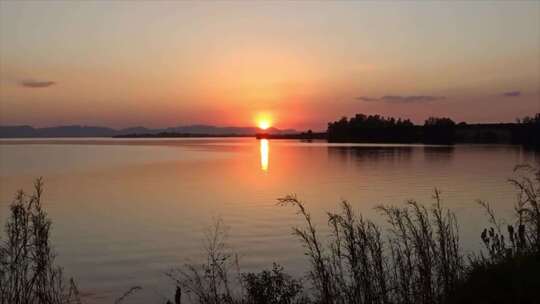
column 179, row 135
column 435, row 130
column 416, row 259
column 359, row 128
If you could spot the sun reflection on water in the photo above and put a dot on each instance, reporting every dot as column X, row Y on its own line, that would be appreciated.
column 263, row 143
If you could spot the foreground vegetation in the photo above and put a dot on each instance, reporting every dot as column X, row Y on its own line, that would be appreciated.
column 28, row 273
column 416, row 258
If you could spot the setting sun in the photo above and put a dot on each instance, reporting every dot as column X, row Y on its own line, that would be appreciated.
column 263, row 121
column 264, row 124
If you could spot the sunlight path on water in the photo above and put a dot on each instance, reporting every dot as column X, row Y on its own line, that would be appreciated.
column 264, row 154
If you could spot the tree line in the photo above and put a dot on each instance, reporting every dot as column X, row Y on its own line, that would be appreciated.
column 435, row 130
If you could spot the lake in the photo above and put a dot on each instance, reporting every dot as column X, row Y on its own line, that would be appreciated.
column 125, row 211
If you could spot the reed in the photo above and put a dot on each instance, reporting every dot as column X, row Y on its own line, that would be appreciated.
column 219, row 280
column 28, row 273
column 209, row 282
column 418, row 261
column 507, row 269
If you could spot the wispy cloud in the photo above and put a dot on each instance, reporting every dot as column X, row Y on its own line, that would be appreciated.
column 402, row 99
column 512, row 94
column 365, row 98
column 35, row 84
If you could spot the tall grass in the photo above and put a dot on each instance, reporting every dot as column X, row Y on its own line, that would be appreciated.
column 209, row 282
column 28, row 273
column 522, row 236
column 418, row 261
column 528, row 211
column 219, row 280
column 508, row 269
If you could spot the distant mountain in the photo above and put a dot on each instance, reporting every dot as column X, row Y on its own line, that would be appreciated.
column 17, row 131
column 137, row 130
column 92, row 131
column 208, row 129
column 60, row 131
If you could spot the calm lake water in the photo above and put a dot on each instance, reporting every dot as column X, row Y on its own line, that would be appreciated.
column 125, row 211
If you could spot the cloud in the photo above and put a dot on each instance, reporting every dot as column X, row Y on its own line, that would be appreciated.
column 512, row 94
column 365, row 98
column 402, row 99
column 35, row 84
column 418, row 98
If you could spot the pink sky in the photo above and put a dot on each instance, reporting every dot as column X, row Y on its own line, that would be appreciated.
column 303, row 64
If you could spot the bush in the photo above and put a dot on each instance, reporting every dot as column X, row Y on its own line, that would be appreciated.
column 28, row 273
column 508, row 269
column 272, row 287
column 209, row 282
column 212, row 282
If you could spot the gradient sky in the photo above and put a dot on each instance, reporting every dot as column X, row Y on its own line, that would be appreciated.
column 161, row 64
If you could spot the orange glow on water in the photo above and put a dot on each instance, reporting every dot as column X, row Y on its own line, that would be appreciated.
column 263, row 143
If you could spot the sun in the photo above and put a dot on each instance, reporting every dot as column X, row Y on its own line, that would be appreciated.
column 263, row 121
column 264, row 124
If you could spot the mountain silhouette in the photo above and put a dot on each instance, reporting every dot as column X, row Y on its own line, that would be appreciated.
column 25, row 131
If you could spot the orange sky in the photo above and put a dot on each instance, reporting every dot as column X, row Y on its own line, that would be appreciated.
column 161, row 64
